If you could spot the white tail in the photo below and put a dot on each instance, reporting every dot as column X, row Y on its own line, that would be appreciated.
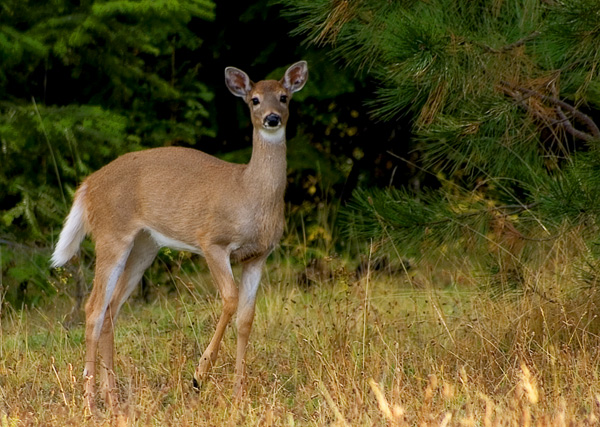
column 186, row 200
column 72, row 233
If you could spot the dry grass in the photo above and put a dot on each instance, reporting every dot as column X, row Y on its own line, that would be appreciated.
column 432, row 347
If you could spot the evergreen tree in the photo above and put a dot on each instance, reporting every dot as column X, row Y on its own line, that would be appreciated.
column 502, row 98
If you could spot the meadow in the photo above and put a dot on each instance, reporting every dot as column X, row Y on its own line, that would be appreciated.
column 436, row 342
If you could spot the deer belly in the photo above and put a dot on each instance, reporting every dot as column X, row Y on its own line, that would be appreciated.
column 168, row 242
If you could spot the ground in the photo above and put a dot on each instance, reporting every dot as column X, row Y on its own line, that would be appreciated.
column 428, row 346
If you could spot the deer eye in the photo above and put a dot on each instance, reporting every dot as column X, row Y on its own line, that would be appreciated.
column 283, row 98
column 255, row 101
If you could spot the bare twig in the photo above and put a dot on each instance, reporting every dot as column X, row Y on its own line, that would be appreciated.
column 566, row 123
column 51, row 150
column 520, row 94
column 15, row 244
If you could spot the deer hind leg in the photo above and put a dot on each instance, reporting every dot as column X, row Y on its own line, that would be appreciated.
column 110, row 263
column 142, row 254
column 219, row 264
column 251, row 273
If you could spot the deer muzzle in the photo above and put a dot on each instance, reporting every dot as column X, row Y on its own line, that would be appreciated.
column 272, row 120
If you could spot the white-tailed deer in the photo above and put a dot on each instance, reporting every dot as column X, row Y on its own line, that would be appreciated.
column 187, row 200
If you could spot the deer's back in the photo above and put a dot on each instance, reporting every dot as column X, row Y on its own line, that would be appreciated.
column 185, row 195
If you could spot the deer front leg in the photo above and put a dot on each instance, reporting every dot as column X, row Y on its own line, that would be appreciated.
column 251, row 274
column 219, row 265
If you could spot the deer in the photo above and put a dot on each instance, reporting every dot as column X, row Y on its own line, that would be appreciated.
column 184, row 199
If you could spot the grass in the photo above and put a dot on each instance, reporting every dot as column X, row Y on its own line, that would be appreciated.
column 431, row 347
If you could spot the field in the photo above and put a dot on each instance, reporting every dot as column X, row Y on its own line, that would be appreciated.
column 437, row 344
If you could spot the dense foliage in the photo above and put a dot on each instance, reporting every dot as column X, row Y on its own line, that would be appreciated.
column 90, row 80
column 504, row 99
column 83, row 82
column 480, row 116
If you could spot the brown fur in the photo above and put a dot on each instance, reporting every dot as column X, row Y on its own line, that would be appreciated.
column 186, row 199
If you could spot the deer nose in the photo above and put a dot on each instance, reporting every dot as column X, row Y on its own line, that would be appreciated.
column 272, row 120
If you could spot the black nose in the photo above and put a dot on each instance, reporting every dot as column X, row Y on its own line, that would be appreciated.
column 273, row 120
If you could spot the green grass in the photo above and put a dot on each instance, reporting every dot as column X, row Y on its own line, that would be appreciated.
column 432, row 347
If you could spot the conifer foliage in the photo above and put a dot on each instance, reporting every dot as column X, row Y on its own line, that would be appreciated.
column 504, row 101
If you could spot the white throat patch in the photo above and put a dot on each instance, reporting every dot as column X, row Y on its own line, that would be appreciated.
column 273, row 136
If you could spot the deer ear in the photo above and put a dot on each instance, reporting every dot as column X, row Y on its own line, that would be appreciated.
column 237, row 82
column 295, row 77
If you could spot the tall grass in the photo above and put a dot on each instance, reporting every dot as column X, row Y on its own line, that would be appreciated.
column 433, row 346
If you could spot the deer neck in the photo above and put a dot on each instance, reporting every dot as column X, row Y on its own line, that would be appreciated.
column 267, row 169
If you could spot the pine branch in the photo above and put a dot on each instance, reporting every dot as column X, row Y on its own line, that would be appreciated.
column 521, row 94
column 566, row 123
column 502, row 210
column 510, row 46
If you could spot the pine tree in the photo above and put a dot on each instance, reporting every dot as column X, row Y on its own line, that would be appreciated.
column 502, row 96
